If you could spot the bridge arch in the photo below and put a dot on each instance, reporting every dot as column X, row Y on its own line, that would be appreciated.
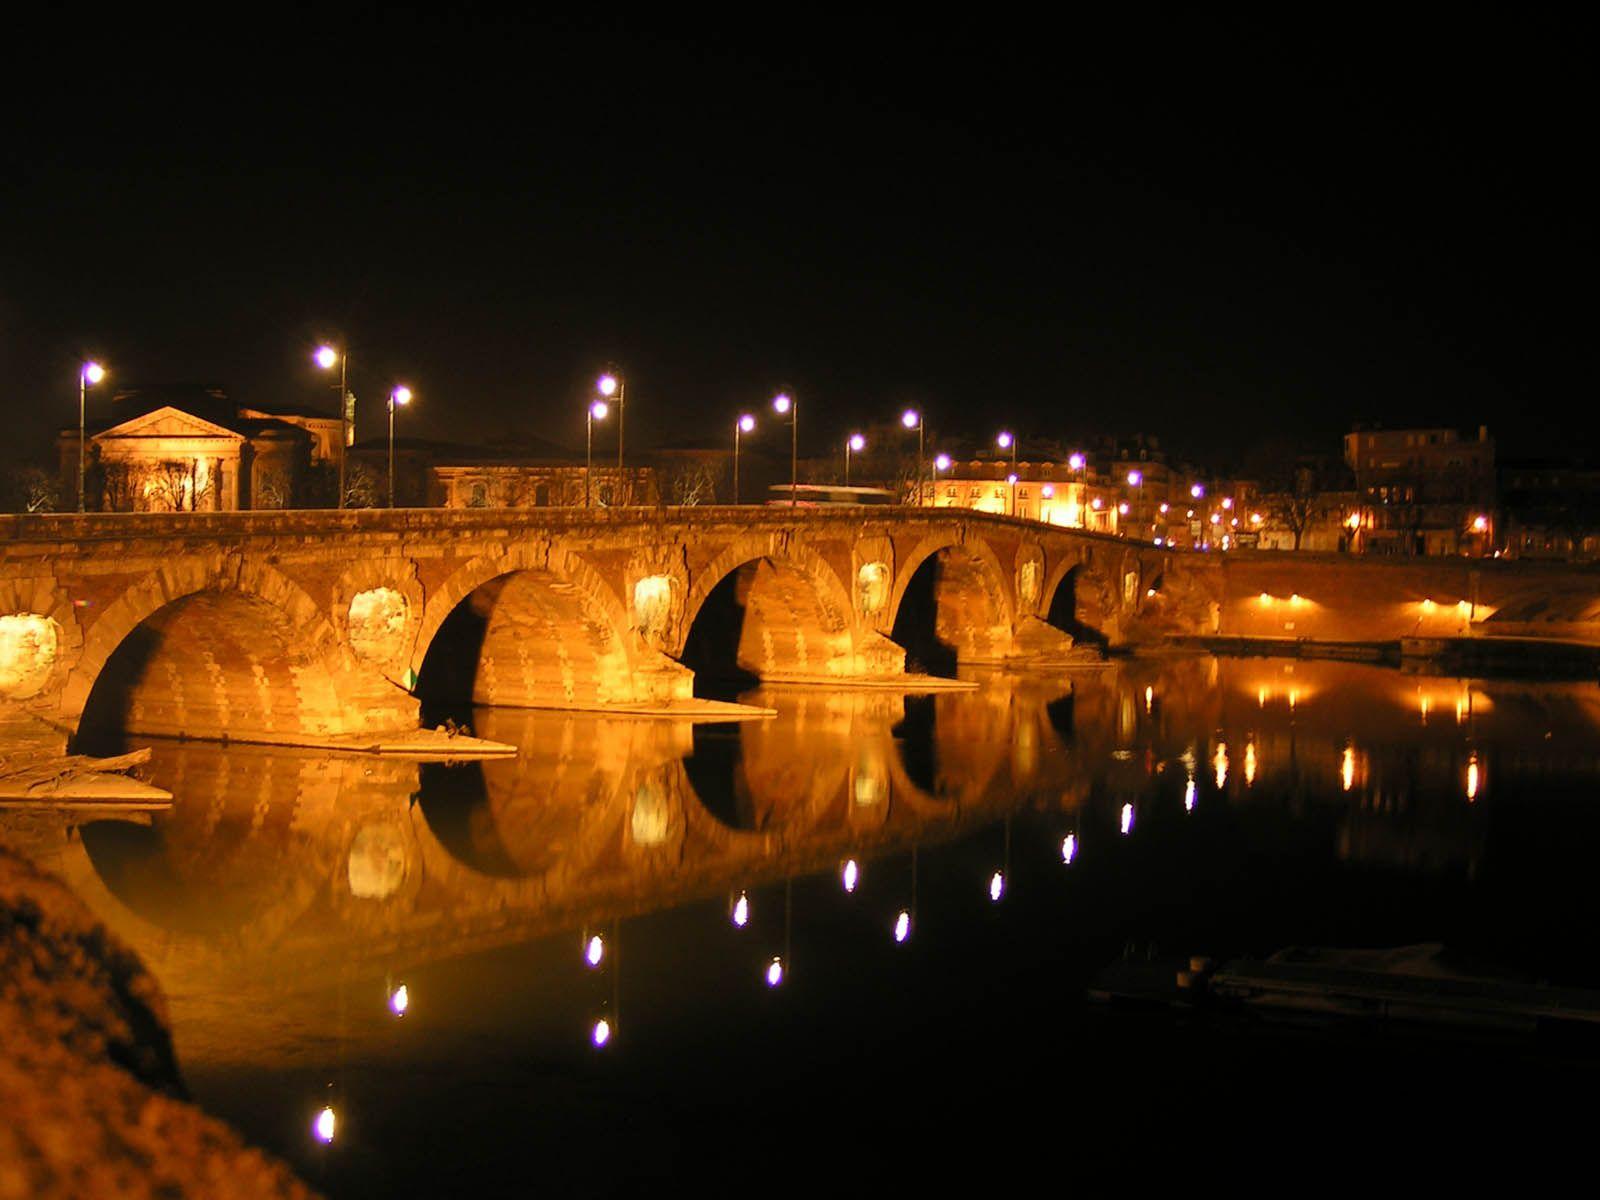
column 952, row 603
column 223, row 651
column 770, row 608
column 526, row 629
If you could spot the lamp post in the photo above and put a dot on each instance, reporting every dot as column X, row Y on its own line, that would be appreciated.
column 912, row 419
column 784, row 405
column 1136, row 481
column 1006, row 441
column 325, row 357
column 398, row 398
column 745, row 424
column 596, row 412
column 614, row 389
column 89, row 373
column 941, row 462
column 1078, row 464
column 854, row 444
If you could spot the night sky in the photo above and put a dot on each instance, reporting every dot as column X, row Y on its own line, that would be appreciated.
column 1209, row 229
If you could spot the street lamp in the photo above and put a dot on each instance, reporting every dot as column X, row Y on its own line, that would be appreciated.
column 1007, row 442
column 1136, row 481
column 745, row 424
column 912, row 419
column 89, row 373
column 941, row 462
column 596, row 412
column 614, row 389
column 398, row 398
column 785, row 405
column 854, row 444
column 325, row 357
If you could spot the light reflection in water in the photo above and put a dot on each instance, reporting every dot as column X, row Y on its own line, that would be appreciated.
column 774, row 972
column 594, row 950
column 325, row 1124
column 850, row 875
column 400, row 1000
column 309, row 868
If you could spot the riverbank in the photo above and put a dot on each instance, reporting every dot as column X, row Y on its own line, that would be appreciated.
column 93, row 1101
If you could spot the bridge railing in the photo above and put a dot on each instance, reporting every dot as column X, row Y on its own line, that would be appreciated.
column 37, row 528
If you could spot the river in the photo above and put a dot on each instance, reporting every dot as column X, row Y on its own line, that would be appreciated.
column 927, row 885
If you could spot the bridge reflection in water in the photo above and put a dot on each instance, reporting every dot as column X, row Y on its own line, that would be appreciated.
column 288, row 895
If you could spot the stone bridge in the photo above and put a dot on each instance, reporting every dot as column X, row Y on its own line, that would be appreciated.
column 308, row 627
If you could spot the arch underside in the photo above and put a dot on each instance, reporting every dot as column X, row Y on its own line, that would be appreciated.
column 225, row 665
column 953, row 610
column 770, row 619
column 532, row 639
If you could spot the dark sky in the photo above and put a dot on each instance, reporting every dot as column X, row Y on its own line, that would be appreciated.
column 1210, row 229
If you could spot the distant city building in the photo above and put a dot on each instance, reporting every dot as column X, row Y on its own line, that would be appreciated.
column 1423, row 491
column 526, row 473
column 190, row 448
column 1550, row 509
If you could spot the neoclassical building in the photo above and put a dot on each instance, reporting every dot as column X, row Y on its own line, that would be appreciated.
column 188, row 448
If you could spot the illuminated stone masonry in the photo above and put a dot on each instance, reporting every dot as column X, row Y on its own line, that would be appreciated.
column 301, row 627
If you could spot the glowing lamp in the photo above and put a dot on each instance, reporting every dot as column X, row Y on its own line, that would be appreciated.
column 1196, row 491
column 1266, row 600
column 941, row 462
column 1047, row 491
column 857, row 443
column 93, row 372
column 325, row 357
column 324, row 1125
column 902, row 925
column 606, row 385
column 1012, row 478
column 746, row 423
column 1480, row 524
column 1227, row 502
column 1097, row 503
column 1123, row 508
column 401, row 396
column 781, row 403
column 1076, row 462
column 1135, row 478
column 599, row 410
column 911, row 418
column 1164, row 507
column 1004, row 441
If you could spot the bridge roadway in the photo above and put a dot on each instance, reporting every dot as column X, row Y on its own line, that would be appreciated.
column 303, row 627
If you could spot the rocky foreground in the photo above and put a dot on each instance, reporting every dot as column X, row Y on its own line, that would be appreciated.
column 91, row 1103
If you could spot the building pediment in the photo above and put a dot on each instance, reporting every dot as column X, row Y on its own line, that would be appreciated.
column 167, row 422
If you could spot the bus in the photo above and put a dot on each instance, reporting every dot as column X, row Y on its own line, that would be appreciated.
column 812, row 495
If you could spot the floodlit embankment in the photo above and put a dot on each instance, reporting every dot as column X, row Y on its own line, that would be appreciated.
column 89, row 1086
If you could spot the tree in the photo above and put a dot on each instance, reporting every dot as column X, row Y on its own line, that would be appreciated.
column 174, row 486
column 691, row 482
column 1293, row 511
column 362, row 486
column 31, row 490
